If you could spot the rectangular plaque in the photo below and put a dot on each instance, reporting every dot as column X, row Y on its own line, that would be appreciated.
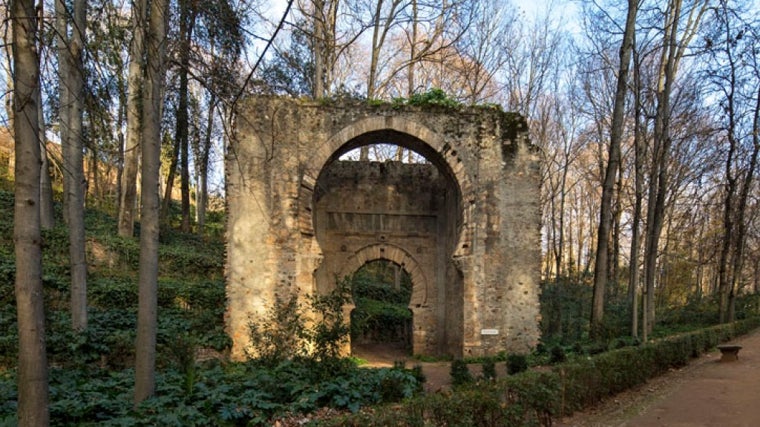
column 489, row 332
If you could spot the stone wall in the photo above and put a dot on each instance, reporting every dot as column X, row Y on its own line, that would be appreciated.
column 465, row 226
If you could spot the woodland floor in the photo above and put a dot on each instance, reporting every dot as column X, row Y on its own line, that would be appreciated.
column 706, row 392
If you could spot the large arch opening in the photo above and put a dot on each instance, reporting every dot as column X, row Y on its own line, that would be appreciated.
column 410, row 213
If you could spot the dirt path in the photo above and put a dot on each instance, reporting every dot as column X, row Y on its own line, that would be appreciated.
column 437, row 374
column 704, row 393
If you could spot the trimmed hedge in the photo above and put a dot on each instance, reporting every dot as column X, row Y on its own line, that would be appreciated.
column 534, row 398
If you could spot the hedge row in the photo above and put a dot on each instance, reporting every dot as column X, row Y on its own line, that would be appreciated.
column 534, row 398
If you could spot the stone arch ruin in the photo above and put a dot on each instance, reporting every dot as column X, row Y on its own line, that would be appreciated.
column 465, row 225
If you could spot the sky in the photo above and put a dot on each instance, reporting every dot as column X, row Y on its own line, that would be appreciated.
column 564, row 11
column 560, row 8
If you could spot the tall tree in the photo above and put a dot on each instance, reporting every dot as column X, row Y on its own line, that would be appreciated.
column 413, row 36
column 745, row 187
column 188, row 11
column 613, row 163
column 32, row 374
column 638, row 182
column 202, row 150
column 734, row 73
column 128, row 191
column 223, row 39
column 209, row 43
column 147, row 315
column 324, row 47
column 47, row 209
column 675, row 41
column 70, row 52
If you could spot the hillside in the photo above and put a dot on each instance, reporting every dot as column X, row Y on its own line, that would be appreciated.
column 191, row 291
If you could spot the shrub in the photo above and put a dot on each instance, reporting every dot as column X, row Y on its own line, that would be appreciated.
column 489, row 369
column 419, row 376
column 331, row 332
column 284, row 334
column 280, row 334
column 397, row 384
column 557, row 355
column 516, row 363
column 460, row 374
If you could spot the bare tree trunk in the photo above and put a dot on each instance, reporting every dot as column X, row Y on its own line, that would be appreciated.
column 72, row 87
column 167, row 201
column 32, row 373
column 47, row 209
column 700, row 249
column 378, row 39
column 185, row 184
column 638, row 141
column 147, row 315
column 614, row 263
column 561, row 230
column 121, row 140
column 92, row 185
column 202, row 160
column 79, row 182
column 128, row 191
column 608, row 186
column 324, row 20
column 318, row 50
column 186, row 21
column 375, row 53
column 64, row 94
column 412, row 52
column 728, row 227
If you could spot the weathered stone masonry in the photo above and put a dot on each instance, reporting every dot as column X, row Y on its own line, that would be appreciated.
column 465, row 226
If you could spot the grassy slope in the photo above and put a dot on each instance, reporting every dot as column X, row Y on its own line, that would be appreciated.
column 191, row 291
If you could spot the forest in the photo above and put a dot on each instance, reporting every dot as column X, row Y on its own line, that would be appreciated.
column 116, row 122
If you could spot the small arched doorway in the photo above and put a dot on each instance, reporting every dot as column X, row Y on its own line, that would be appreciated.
column 381, row 321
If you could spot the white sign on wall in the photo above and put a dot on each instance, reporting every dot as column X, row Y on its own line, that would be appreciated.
column 489, row 332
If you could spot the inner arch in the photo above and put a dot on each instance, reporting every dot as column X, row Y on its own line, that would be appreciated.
column 381, row 322
column 398, row 256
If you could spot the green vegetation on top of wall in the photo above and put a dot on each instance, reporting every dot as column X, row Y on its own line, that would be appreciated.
column 433, row 97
